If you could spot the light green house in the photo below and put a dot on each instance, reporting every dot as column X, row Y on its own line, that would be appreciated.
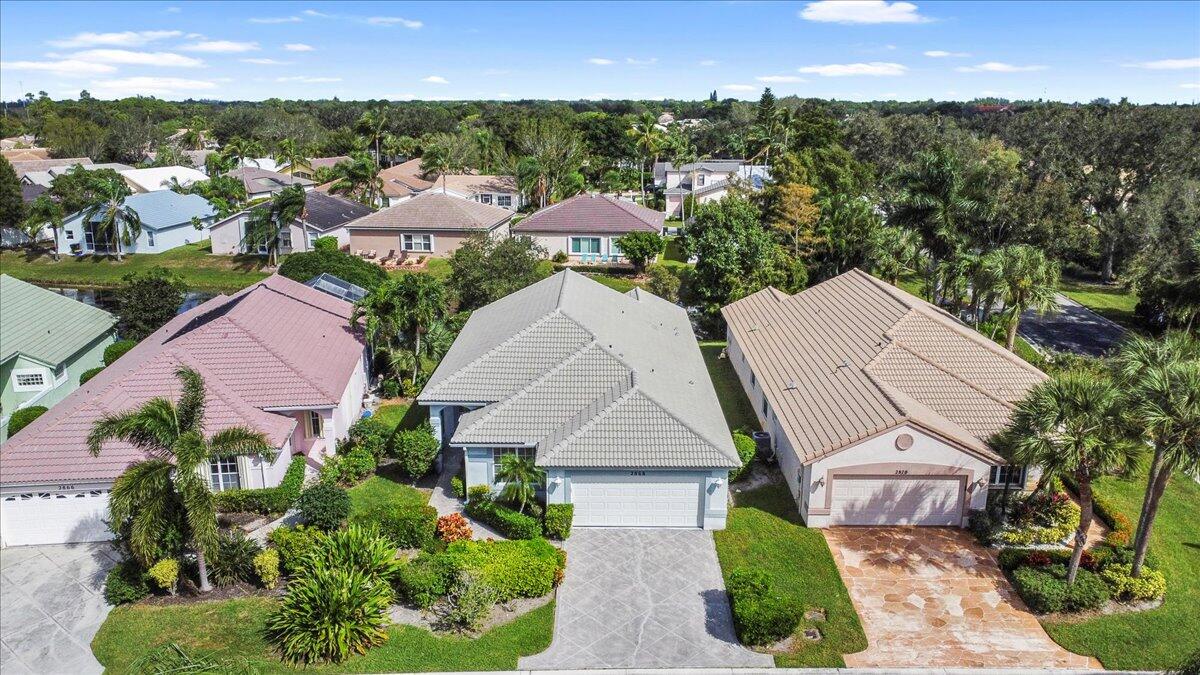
column 46, row 342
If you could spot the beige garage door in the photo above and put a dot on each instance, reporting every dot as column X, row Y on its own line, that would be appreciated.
column 637, row 498
column 912, row 500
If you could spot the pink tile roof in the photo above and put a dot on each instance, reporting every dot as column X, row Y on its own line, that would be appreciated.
column 275, row 344
column 593, row 214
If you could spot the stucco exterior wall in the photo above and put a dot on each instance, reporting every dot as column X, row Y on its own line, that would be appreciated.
column 91, row 356
column 554, row 242
column 383, row 242
column 226, row 236
column 164, row 240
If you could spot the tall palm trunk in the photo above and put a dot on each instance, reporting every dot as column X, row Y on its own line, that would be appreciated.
column 416, row 354
column 1153, row 494
column 54, row 251
column 203, row 569
column 1010, row 342
column 1084, row 481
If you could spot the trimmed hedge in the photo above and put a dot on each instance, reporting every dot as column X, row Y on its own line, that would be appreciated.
column 760, row 616
column 126, row 582
column 407, row 526
column 746, row 449
column 265, row 500
column 324, row 506
column 516, row 569
column 294, row 544
column 1120, row 528
column 116, row 350
column 558, row 520
column 1045, row 590
column 89, row 374
column 1150, row 585
column 24, row 417
column 509, row 523
column 425, row 579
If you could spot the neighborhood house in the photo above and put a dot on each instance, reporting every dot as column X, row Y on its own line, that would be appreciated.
column 880, row 406
column 324, row 215
column 607, row 392
column 169, row 220
column 586, row 227
column 262, row 183
column 431, row 224
column 706, row 181
column 46, row 342
column 161, row 178
column 278, row 357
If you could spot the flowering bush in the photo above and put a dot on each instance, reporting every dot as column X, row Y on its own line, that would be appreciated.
column 453, row 527
column 1042, row 519
column 1152, row 584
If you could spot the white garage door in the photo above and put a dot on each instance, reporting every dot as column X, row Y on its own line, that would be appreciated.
column 627, row 499
column 917, row 500
column 54, row 517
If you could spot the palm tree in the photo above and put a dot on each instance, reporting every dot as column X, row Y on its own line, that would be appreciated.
column 520, row 477
column 114, row 220
column 648, row 140
column 421, row 299
column 243, row 152
column 359, row 178
column 374, row 124
column 170, row 486
column 1162, row 380
column 1071, row 426
column 894, row 251
column 437, row 161
column 268, row 220
column 44, row 212
column 488, row 150
column 193, row 138
column 935, row 201
column 1025, row 280
column 291, row 158
column 380, row 316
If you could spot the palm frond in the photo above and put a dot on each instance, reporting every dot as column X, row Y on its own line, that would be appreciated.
column 192, row 401
column 238, row 441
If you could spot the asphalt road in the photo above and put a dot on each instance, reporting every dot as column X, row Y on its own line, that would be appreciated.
column 1074, row 328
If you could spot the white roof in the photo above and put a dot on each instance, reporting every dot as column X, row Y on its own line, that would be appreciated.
column 158, row 178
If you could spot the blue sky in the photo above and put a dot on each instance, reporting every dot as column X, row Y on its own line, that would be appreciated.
column 1072, row 51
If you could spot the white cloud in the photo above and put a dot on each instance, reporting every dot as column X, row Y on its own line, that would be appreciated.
column 780, row 79
column 127, row 38
column 940, row 54
column 131, row 58
column 1190, row 85
column 221, row 47
column 435, row 79
column 596, row 61
column 738, row 87
column 709, row 62
column 297, row 47
column 874, row 68
column 63, row 68
column 149, row 86
column 173, row 10
column 306, row 79
column 641, row 62
column 266, row 62
column 861, row 11
column 315, row 13
column 275, row 19
column 998, row 67
column 394, row 21
column 1167, row 64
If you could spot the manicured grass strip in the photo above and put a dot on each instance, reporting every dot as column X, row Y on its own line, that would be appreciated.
column 739, row 413
column 618, row 284
column 199, row 269
column 674, row 256
column 231, row 632
column 1112, row 302
column 380, row 490
column 1158, row 639
column 764, row 532
column 438, row 267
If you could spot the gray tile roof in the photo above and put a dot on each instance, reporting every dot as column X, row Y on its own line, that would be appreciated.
column 589, row 376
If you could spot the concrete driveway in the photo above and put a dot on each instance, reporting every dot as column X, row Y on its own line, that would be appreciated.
column 1073, row 328
column 51, row 605
column 934, row 597
column 643, row 598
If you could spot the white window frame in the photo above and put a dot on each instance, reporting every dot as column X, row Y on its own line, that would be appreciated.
column 314, row 425
column 220, row 471
column 613, row 247
column 70, row 235
column 485, row 198
column 527, row 453
column 408, row 242
column 575, row 249
column 28, row 372
column 150, row 238
column 504, row 201
column 995, row 479
column 700, row 180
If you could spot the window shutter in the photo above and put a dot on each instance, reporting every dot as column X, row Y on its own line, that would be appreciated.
column 243, row 465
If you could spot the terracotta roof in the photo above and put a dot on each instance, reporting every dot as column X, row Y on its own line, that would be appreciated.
column 26, row 154
column 275, row 344
column 591, row 213
column 470, row 184
column 854, row 356
column 435, row 211
column 407, row 173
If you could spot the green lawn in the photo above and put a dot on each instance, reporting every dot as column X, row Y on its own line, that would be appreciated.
column 1161, row 638
column 764, row 531
column 619, row 284
column 1111, row 302
column 402, row 416
column 380, row 489
column 231, row 633
column 739, row 413
column 438, row 267
column 673, row 256
column 199, row 269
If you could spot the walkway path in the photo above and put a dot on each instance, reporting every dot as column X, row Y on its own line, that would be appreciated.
column 446, row 502
column 1074, row 328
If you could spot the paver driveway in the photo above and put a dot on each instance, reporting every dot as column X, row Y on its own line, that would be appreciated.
column 933, row 597
column 51, row 605
column 643, row 599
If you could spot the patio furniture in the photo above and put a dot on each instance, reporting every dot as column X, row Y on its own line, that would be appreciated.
column 371, row 254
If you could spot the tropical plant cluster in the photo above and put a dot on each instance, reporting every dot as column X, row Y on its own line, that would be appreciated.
column 1105, row 574
column 760, row 615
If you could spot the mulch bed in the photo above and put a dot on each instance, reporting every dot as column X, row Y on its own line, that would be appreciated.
column 501, row 614
column 1112, row 607
column 189, row 594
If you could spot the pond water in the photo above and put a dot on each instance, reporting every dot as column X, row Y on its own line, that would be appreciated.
column 106, row 298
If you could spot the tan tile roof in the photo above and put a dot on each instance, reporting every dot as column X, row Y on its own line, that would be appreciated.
column 435, row 211
column 854, row 356
column 408, row 173
column 469, row 184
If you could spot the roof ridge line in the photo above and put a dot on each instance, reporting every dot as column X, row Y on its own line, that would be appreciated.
column 685, row 425
column 594, row 419
column 299, row 373
column 926, row 359
column 977, row 337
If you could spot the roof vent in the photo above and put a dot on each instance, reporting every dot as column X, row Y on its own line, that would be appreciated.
column 791, row 385
column 845, row 363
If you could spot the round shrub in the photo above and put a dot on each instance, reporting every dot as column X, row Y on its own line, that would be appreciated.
column 558, row 519
column 234, row 561
column 469, row 605
column 330, row 614
column 23, row 418
column 453, row 527
column 1150, row 585
column 324, row 506
column 416, row 449
column 426, row 578
column 304, row 266
column 760, row 616
column 266, row 565
column 116, row 350
column 294, row 544
column 326, row 244
column 125, row 583
column 165, row 574
column 89, row 374
column 1045, row 590
column 746, row 449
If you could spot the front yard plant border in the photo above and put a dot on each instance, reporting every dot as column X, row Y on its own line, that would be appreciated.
column 265, row 501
